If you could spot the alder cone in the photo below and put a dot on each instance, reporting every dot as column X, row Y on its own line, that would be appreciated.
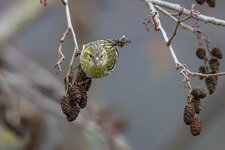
column 65, row 105
column 211, row 3
column 216, row 52
column 200, row 2
column 69, row 108
column 211, row 83
column 196, row 126
column 74, row 93
column 198, row 92
column 197, row 105
column 83, row 79
column 214, row 65
column 204, row 70
column 201, row 53
column 74, row 113
column 189, row 113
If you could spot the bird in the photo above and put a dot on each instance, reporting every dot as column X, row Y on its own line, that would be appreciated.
column 98, row 58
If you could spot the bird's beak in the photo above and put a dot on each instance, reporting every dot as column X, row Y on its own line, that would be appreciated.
column 96, row 60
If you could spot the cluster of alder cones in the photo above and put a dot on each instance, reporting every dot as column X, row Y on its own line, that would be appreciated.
column 211, row 65
column 211, row 3
column 192, row 109
column 76, row 95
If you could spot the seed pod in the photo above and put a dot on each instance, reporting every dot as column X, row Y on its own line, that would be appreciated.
column 83, row 101
column 214, row 65
column 87, row 84
column 69, row 108
column 197, row 105
column 204, row 70
column 73, row 115
column 200, row 53
column 65, row 105
column 81, row 75
column 189, row 113
column 200, row 2
column 216, row 52
column 83, row 79
column 211, row 3
column 74, row 93
column 211, row 83
column 198, row 92
column 196, row 126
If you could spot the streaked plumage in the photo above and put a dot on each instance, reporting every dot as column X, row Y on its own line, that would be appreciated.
column 98, row 58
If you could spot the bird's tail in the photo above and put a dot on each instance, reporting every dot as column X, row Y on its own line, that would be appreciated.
column 122, row 41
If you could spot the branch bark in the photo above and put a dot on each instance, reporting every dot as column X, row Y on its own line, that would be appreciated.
column 177, row 7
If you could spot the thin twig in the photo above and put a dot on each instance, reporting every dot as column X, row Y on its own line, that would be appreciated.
column 179, row 21
column 206, row 75
column 176, row 7
column 183, row 25
column 61, row 56
column 70, row 28
column 156, row 18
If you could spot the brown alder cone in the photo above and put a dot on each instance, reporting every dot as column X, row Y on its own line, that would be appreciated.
column 201, row 53
column 214, row 65
column 189, row 113
column 211, row 83
column 74, row 93
column 197, row 105
column 83, row 101
column 83, row 79
column 200, row 2
column 204, row 70
column 211, row 3
column 198, row 92
column 216, row 52
column 69, row 108
column 196, row 126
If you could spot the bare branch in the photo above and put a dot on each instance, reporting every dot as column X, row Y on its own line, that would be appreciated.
column 176, row 7
column 179, row 21
column 206, row 75
column 76, row 50
column 156, row 18
column 61, row 56
column 183, row 25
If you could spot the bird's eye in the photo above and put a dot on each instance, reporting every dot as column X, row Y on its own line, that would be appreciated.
column 101, row 56
column 91, row 56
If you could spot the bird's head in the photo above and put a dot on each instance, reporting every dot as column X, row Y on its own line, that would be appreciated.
column 94, row 56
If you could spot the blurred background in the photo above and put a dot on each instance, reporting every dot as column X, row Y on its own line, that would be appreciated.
column 143, row 99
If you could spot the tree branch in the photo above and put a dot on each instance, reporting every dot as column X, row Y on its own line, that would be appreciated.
column 76, row 48
column 176, row 7
column 183, row 25
column 156, row 18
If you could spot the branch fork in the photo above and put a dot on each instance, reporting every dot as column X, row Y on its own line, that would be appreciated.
column 76, row 50
column 192, row 13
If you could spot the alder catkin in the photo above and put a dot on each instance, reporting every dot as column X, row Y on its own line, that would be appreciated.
column 198, row 92
column 200, row 2
column 196, row 126
column 214, row 65
column 201, row 53
column 189, row 113
column 216, row 52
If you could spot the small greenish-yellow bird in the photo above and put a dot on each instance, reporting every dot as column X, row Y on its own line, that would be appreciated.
column 98, row 58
